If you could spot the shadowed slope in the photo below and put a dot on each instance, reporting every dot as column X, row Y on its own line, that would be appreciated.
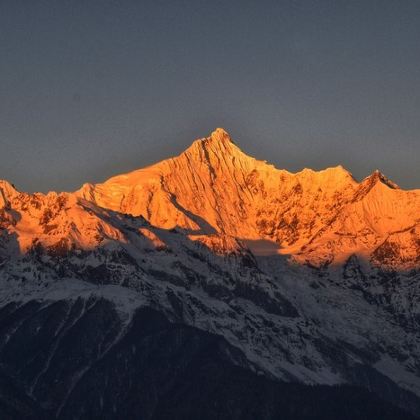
column 150, row 369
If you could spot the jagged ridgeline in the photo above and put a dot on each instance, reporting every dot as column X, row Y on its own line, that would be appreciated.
column 211, row 284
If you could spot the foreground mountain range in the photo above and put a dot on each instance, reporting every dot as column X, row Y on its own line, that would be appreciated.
column 211, row 285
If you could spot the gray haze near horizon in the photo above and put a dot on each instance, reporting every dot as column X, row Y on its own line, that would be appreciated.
column 90, row 89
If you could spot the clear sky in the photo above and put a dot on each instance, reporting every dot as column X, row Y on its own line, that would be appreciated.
column 89, row 89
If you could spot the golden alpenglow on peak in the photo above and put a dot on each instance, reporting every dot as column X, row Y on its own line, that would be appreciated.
column 378, row 176
column 215, row 187
column 219, row 142
column 220, row 135
column 316, row 217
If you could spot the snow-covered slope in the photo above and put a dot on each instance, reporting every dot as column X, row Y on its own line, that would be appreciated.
column 314, row 276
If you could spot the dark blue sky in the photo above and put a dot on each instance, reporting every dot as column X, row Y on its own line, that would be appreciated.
column 92, row 88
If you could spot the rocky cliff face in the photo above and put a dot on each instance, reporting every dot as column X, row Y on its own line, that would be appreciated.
column 313, row 277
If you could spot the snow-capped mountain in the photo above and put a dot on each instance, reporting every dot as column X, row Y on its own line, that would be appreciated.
column 312, row 277
column 316, row 217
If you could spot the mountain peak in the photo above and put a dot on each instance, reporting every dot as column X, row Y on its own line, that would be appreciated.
column 220, row 135
column 377, row 176
column 7, row 191
column 218, row 143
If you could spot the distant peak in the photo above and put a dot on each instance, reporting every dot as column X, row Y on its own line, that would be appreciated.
column 7, row 187
column 341, row 170
column 6, row 184
column 377, row 176
column 218, row 142
column 334, row 174
column 220, row 135
column 7, row 191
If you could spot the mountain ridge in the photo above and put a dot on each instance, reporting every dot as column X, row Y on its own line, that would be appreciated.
column 237, row 195
column 214, row 170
